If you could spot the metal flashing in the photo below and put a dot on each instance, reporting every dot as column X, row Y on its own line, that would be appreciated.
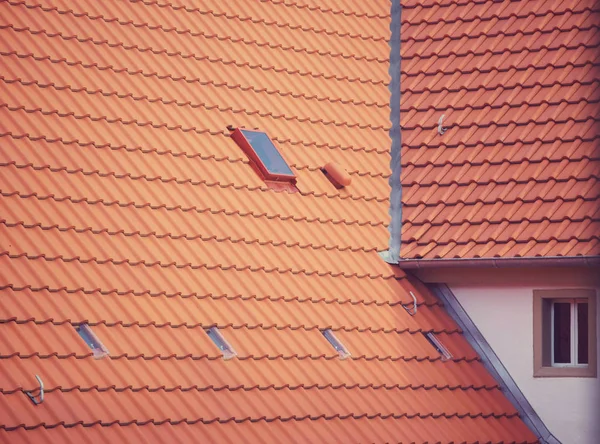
column 493, row 364
column 395, row 210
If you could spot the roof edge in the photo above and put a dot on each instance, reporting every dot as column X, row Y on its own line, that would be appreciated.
column 492, row 363
column 499, row 262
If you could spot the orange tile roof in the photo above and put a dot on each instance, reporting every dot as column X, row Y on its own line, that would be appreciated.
column 517, row 172
column 125, row 204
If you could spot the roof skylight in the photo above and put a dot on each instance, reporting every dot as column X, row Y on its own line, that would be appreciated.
column 264, row 154
column 217, row 337
column 92, row 341
column 435, row 342
column 336, row 343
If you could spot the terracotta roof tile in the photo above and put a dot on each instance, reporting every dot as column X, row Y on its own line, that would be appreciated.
column 516, row 173
column 125, row 205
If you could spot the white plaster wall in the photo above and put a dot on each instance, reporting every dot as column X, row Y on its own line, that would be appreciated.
column 570, row 407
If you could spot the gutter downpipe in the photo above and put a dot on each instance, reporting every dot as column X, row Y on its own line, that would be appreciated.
column 392, row 254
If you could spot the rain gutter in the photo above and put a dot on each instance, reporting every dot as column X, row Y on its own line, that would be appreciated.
column 509, row 262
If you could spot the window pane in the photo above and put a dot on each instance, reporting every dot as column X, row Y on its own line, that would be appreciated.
column 562, row 333
column 582, row 333
column 267, row 152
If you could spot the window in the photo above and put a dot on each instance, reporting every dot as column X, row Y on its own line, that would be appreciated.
column 220, row 341
column 336, row 343
column 564, row 336
column 435, row 342
column 263, row 155
column 90, row 338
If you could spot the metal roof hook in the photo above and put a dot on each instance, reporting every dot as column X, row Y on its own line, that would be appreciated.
column 441, row 129
column 411, row 311
column 39, row 398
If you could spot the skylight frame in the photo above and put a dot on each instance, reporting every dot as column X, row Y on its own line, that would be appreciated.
column 343, row 352
column 222, row 344
column 239, row 135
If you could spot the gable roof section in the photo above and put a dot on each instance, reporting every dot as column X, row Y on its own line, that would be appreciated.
column 126, row 205
column 516, row 172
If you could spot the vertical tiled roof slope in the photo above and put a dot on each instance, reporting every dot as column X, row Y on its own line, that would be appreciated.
column 125, row 204
column 516, row 173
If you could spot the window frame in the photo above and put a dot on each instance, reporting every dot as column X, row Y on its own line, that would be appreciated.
column 543, row 333
column 240, row 138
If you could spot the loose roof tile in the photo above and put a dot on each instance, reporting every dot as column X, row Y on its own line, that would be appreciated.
column 516, row 173
column 126, row 206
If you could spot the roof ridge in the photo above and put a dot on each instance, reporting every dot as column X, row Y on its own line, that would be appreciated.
column 322, row 300
column 344, row 124
column 166, row 126
column 130, row 22
column 192, row 56
column 193, row 182
column 192, row 208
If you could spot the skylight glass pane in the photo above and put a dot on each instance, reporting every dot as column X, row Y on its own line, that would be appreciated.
column 562, row 332
column 582, row 333
column 267, row 152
